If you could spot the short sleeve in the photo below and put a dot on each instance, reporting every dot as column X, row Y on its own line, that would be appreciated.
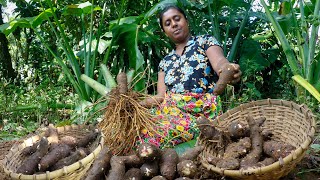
column 161, row 66
column 208, row 41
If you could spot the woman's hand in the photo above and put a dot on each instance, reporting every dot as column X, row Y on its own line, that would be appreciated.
column 237, row 72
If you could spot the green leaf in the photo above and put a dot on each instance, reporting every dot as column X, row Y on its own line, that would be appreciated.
column 11, row 26
column 43, row 16
column 316, row 147
column 307, row 86
column 158, row 6
column 181, row 148
column 79, row 9
column 127, row 37
column 251, row 57
column 103, row 45
column 125, row 20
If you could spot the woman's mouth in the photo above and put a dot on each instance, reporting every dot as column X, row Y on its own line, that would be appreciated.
column 177, row 31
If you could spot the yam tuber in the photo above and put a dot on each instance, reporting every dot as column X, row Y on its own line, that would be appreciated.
column 265, row 162
column 237, row 130
column 122, row 83
column 53, row 137
column 86, row 140
column 191, row 153
column 238, row 149
column 53, row 156
column 30, row 149
column 68, row 140
column 168, row 163
column 133, row 174
column 158, row 178
column 131, row 160
column 74, row 157
column 225, row 77
column 30, row 164
column 254, row 155
column 187, row 168
column 100, row 165
column 230, row 163
column 206, row 128
column 276, row 149
column 183, row 178
column 148, row 152
column 150, row 169
column 118, row 169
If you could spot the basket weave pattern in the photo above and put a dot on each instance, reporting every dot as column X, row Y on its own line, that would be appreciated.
column 75, row 171
column 288, row 122
column 4, row 149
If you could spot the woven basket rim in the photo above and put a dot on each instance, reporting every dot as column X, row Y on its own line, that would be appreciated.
column 282, row 161
column 59, row 172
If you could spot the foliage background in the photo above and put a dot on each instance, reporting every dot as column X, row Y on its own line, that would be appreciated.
column 37, row 90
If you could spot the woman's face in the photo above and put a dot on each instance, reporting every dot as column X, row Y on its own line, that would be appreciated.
column 175, row 25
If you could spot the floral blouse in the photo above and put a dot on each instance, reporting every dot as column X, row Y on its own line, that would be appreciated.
column 192, row 71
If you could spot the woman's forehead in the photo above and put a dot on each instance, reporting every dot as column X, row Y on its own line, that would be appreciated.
column 170, row 13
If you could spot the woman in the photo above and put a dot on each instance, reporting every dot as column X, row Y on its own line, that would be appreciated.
column 186, row 81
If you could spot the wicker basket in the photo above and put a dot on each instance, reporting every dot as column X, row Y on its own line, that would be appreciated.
column 4, row 149
column 74, row 171
column 288, row 121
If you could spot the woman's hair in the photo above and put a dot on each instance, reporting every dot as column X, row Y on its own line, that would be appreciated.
column 165, row 9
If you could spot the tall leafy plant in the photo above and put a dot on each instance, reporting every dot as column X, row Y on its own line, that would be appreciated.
column 300, row 41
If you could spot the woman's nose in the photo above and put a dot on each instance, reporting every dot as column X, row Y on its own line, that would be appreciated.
column 174, row 24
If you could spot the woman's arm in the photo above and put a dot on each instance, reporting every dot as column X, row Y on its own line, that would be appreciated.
column 161, row 91
column 217, row 60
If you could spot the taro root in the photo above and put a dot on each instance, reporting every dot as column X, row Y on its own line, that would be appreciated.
column 30, row 164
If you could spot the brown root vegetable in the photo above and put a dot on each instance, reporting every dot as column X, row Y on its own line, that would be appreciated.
column 131, row 160
column 238, row 149
column 158, row 178
column 230, row 163
column 276, row 149
column 254, row 155
column 267, row 135
column 183, row 178
column 150, row 169
column 260, row 120
column 207, row 128
column 30, row 164
column 30, row 149
column 86, row 140
column 238, row 130
column 118, row 169
column 59, row 152
column 168, row 163
column 74, row 157
column 265, row 162
column 68, row 140
column 148, row 152
column 213, row 159
column 191, row 153
column 101, row 164
column 53, row 137
column 133, row 174
column 187, row 168
column 226, row 76
column 122, row 83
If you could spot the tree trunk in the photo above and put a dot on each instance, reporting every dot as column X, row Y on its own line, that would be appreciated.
column 5, row 58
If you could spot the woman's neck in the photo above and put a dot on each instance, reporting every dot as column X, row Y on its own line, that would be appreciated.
column 180, row 46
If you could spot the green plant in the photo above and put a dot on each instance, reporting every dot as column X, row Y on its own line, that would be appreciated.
column 299, row 41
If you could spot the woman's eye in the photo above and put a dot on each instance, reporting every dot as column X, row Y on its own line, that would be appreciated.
column 167, row 23
column 177, row 18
